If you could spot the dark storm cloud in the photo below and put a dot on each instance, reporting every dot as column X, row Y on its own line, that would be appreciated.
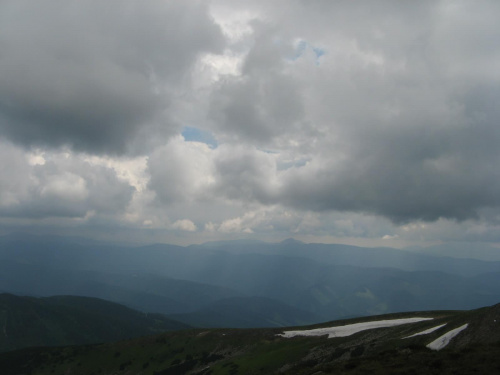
column 405, row 107
column 243, row 174
column 264, row 102
column 436, row 158
column 408, row 176
column 327, row 117
column 97, row 76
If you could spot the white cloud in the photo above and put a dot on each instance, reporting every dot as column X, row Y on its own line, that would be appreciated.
column 184, row 225
column 390, row 237
column 181, row 171
column 64, row 185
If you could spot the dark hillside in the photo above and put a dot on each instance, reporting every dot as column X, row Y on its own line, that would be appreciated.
column 386, row 350
column 69, row 320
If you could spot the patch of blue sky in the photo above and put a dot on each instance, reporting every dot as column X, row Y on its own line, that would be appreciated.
column 282, row 166
column 268, row 151
column 301, row 48
column 193, row 134
column 318, row 52
column 287, row 164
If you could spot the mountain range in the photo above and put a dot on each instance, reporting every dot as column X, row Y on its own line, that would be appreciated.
column 265, row 284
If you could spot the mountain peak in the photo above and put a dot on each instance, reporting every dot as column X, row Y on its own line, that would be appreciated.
column 291, row 241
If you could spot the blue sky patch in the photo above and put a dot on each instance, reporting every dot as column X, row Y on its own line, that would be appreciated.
column 301, row 48
column 192, row 134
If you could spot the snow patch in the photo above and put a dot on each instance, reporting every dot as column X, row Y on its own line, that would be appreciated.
column 444, row 340
column 427, row 331
column 351, row 329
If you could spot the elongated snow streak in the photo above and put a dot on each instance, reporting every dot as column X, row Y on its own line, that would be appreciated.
column 444, row 340
column 426, row 332
column 351, row 329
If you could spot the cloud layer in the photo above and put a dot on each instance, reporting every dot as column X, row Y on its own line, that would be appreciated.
column 316, row 119
column 98, row 77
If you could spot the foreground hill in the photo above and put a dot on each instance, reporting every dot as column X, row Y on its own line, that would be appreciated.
column 69, row 320
column 406, row 343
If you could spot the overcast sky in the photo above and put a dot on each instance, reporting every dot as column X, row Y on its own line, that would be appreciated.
column 364, row 122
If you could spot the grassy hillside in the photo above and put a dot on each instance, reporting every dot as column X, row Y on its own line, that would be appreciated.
column 69, row 320
column 263, row 351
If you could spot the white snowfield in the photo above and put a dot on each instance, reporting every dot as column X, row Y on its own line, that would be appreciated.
column 427, row 331
column 444, row 340
column 351, row 329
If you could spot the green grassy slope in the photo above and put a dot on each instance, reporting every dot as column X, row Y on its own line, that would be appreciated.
column 262, row 351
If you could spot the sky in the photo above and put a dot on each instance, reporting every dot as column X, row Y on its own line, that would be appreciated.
column 365, row 122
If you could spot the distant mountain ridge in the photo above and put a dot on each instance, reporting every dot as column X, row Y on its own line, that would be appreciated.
column 461, row 250
column 326, row 281
column 338, row 254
